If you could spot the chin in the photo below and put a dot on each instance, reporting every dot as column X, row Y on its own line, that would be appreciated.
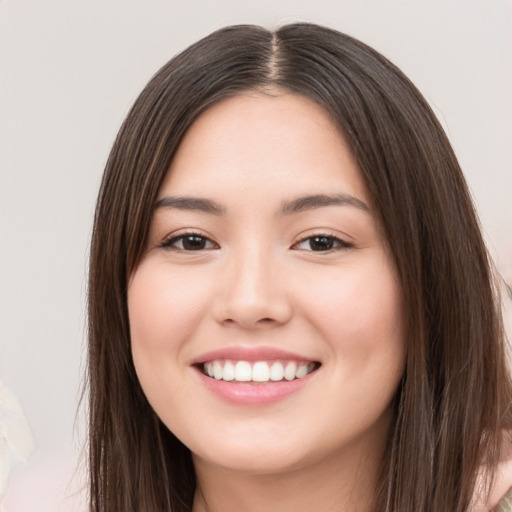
column 255, row 461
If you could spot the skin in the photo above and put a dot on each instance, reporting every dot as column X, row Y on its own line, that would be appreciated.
column 501, row 485
column 260, row 280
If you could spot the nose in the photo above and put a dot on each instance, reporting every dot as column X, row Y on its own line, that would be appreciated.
column 252, row 293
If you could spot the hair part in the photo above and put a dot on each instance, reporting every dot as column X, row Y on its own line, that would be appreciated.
column 454, row 333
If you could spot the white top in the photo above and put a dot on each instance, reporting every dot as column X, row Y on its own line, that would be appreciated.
column 505, row 505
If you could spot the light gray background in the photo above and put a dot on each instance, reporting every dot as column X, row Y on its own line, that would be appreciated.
column 70, row 70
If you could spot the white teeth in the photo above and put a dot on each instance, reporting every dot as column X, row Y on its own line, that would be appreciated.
column 259, row 371
column 229, row 371
column 243, row 371
column 302, row 371
column 276, row 371
column 290, row 371
column 217, row 370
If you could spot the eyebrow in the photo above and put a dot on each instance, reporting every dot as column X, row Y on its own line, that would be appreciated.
column 312, row 202
column 300, row 204
column 191, row 203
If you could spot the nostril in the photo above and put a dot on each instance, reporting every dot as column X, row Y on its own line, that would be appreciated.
column 261, row 321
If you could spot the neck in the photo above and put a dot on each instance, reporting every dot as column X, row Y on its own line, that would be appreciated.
column 341, row 482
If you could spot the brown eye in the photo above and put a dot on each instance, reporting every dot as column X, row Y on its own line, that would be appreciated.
column 322, row 243
column 189, row 242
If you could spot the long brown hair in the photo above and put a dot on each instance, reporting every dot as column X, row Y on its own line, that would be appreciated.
column 452, row 406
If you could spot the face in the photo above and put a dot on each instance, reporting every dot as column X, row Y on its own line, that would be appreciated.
column 265, row 313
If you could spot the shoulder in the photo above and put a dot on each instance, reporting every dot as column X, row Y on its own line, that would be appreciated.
column 500, row 498
column 505, row 504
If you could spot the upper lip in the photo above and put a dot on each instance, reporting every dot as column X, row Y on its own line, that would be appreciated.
column 242, row 353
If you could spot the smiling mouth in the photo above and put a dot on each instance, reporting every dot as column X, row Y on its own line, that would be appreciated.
column 257, row 372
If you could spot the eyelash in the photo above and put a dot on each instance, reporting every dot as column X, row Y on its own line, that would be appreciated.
column 169, row 243
column 335, row 242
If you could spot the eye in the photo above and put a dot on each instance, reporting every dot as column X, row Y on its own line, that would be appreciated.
column 189, row 242
column 321, row 243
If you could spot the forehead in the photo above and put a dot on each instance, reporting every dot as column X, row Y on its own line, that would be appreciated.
column 280, row 139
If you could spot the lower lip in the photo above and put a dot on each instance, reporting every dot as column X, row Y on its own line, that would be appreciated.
column 253, row 394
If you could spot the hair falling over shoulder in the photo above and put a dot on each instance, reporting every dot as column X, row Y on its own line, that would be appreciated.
column 440, row 439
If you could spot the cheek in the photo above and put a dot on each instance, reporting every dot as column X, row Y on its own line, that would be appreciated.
column 164, row 306
column 359, row 310
column 164, row 309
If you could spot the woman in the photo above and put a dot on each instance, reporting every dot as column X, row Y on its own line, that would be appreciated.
column 290, row 303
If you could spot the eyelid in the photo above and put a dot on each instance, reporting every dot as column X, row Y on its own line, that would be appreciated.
column 169, row 240
column 341, row 243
